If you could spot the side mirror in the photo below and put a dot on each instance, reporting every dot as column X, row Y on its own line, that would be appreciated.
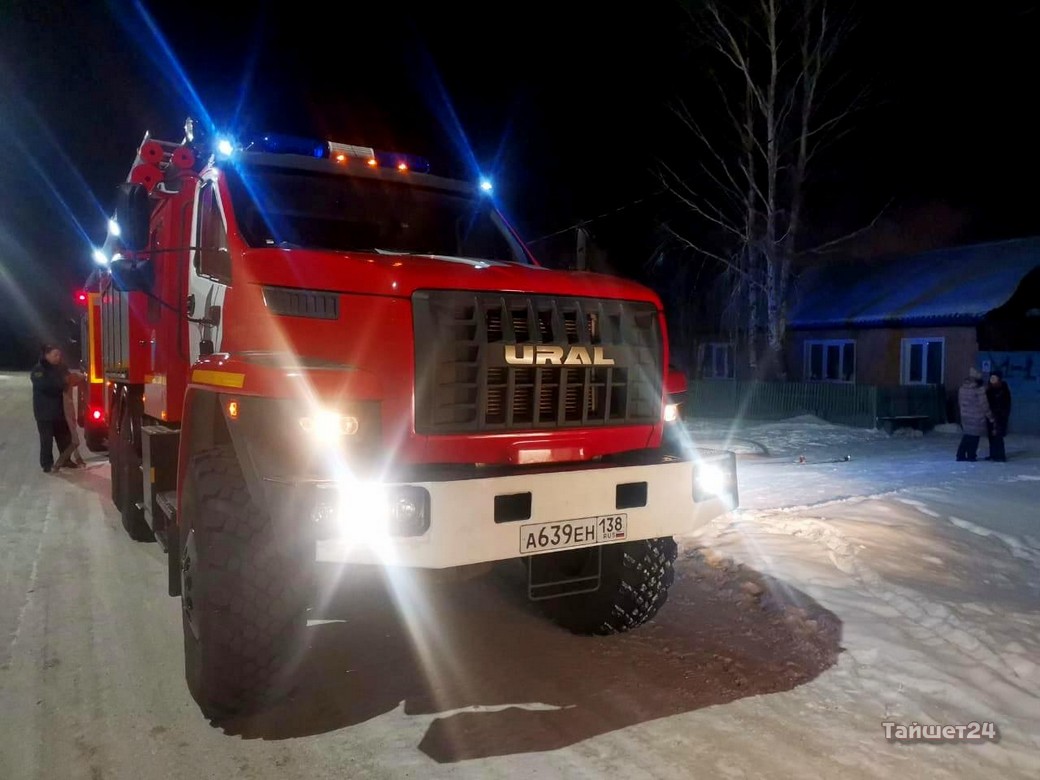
column 133, row 214
column 675, row 382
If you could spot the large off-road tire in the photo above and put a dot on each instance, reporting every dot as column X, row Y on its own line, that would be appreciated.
column 634, row 582
column 131, row 477
column 245, row 584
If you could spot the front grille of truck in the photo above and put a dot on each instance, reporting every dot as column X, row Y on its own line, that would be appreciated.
column 495, row 362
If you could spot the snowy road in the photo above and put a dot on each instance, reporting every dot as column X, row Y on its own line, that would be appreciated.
column 897, row 586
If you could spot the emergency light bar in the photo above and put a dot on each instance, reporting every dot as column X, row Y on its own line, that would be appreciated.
column 276, row 143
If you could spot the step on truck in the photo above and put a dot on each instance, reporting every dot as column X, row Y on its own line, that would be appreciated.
column 320, row 353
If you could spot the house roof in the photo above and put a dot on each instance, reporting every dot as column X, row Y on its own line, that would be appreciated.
column 947, row 286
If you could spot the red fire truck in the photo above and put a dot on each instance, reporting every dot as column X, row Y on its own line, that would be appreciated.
column 321, row 353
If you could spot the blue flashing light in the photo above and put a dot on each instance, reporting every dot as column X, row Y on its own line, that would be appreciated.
column 100, row 257
column 486, row 186
column 113, row 228
column 277, row 143
column 225, row 148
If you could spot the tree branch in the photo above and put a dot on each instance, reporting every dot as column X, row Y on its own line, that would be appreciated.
column 717, row 218
column 858, row 232
column 742, row 273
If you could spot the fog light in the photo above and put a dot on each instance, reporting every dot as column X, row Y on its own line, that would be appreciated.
column 406, row 510
column 715, row 480
column 711, row 479
column 409, row 511
column 671, row 412
column 370, row 512
column 327, row 426
column 323, row 514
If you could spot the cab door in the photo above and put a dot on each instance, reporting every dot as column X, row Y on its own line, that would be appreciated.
column 210, row 274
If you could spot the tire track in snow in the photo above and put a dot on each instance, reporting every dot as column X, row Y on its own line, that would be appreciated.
column 928, row 619
column 30, row 587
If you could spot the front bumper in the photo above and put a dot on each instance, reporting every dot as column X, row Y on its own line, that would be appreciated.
column 660, row 495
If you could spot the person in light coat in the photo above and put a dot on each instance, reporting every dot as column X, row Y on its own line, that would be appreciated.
column 975, row 415
column 75, row 381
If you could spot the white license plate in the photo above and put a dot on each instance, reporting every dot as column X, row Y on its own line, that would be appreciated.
column 584, row 531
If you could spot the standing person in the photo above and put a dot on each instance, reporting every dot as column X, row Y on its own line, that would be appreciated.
column 74, row 382
column 998, row 394
column 974, row 408
column 48, row 383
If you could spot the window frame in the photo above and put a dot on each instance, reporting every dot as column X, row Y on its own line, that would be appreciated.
column 243, row 183
column 807, row 346
column 904, row 360
column 222, row 273
column 729, row 359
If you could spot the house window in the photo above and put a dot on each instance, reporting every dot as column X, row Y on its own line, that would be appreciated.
column 830, row 360
column 717, row 361
column 923, row 361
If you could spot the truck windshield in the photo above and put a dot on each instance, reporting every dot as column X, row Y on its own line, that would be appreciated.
column 354, row 213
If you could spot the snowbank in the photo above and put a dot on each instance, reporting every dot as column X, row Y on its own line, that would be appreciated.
column 933, row 567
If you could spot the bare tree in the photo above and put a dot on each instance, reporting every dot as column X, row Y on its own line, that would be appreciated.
column 775, row 73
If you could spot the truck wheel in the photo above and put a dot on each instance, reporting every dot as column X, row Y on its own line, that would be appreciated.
column 131, row 478
column 634, row 582
column 115, row 462
column 96, row 441
column 244, row 591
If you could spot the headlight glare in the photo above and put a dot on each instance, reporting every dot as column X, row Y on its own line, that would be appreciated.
column 325, row 425
column 711, row 479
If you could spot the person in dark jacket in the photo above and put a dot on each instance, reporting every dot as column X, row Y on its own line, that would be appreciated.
column 975, row 412
column 48, row 383
column 998, row 394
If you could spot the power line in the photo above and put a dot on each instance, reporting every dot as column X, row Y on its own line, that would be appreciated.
column 598, row 216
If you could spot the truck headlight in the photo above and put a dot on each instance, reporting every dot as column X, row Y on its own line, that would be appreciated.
column 371, row 511
column 325, row 425
column 671, row 412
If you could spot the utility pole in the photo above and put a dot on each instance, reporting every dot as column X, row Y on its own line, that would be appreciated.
column 581, row 254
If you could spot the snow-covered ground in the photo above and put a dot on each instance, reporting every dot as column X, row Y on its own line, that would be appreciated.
column 932, row 567
column 895, row 586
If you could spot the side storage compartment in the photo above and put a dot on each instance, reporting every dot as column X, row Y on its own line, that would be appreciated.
column 159, row 452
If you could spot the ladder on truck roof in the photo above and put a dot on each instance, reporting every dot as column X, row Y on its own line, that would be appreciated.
column 158, row 162
column 158, row 166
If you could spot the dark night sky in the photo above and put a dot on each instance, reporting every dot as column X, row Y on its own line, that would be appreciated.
column 565, row 103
